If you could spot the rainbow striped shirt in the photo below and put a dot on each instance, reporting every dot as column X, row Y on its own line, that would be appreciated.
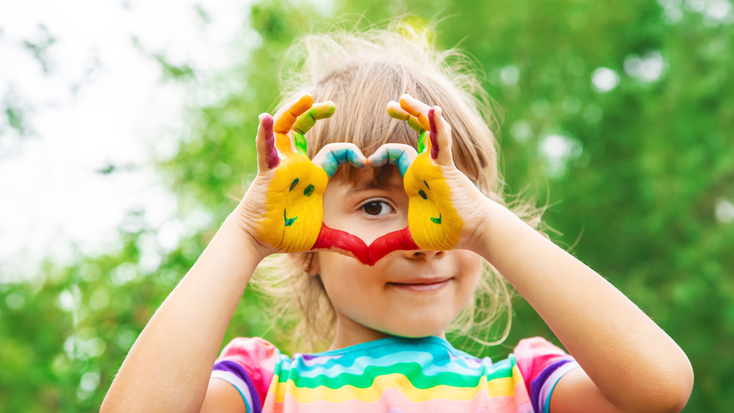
column 392, row 375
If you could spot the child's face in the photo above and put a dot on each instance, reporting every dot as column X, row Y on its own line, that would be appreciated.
column 407, row 293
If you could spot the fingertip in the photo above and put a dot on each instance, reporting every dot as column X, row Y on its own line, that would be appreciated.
column 266, row 120
column 303, row 104
column 332, row 108
column 377, row 159
column 355, row 157
column 404, row 100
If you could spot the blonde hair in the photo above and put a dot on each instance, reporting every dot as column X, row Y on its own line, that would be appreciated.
column 360, row 72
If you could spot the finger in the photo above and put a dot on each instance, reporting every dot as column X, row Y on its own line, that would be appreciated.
column 342, row 242
column 267, row 155
column 306, row 121
column 286, row 117
column 318, row 111
column 396, row 154
column 440, row 137
column 395, row 111
column 334, row 154
column 419, row 110
column 416, row 108
column 393, row 241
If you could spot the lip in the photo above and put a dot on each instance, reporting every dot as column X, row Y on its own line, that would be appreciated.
column 422, row 284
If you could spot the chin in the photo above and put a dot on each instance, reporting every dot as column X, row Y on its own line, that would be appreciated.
column 419, row 325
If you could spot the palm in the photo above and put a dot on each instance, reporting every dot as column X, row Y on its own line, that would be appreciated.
column 294, row 204
column 443, row 202
column 284, row 205
column 432, row 218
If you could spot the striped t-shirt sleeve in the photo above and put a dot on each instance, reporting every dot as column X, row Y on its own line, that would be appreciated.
column 541, row 364
column 248, row 365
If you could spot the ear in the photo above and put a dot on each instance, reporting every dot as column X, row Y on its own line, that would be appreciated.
column 314, row 268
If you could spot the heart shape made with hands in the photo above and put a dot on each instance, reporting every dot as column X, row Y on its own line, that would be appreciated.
column 297, row 188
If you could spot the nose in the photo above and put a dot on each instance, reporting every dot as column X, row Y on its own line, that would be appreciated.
column 423, row 254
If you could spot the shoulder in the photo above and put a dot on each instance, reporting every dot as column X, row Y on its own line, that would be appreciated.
column 249, row 349
column 537, row 352
column 541, row 365
column 249, row 364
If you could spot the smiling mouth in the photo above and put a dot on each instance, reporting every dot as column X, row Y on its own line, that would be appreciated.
column 290, row 221
column 421, row 285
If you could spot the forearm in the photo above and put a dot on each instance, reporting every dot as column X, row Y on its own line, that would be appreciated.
column 169, row 365
column 629, row 358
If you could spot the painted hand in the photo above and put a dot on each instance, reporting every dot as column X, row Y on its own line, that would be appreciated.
column 445, row 208
column 283, row 208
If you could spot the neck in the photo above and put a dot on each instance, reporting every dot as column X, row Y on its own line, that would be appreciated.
column 349, row 333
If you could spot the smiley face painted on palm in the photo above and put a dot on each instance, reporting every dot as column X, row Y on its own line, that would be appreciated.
column 295, row 204
column 294, row 199
column 433, row 221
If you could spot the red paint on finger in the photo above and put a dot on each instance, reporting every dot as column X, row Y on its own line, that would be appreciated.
column 271, row 154
column 344, row 242
column 393, row 241
column 434, row 133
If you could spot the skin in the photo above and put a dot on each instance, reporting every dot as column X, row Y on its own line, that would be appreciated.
column 628, row 363
column 369, row 213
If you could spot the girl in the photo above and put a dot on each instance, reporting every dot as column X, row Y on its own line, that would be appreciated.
column 384, row 259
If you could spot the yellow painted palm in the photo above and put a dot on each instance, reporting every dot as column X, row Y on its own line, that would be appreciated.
column 293, row 207
column 294, row 200
column 433, row 220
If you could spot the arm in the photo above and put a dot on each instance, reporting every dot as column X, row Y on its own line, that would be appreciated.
column 169, row 366
column 628, row 363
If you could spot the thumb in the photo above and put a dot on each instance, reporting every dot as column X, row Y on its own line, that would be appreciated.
column 267, row 155
column 440, row 136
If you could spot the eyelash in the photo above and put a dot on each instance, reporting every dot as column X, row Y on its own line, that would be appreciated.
column 380, row 201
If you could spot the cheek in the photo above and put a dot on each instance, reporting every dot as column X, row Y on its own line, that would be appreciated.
column 343, row 277
column 470, row 265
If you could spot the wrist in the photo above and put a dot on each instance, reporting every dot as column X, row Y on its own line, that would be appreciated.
column 245, row 231
column 489, row 230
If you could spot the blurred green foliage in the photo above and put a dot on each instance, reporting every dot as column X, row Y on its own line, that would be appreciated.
column 636, row 163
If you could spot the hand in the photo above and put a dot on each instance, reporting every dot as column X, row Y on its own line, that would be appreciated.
column 446, row 210
column 283, row 208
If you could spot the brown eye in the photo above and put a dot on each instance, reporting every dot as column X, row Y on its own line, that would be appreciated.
column 377, row 208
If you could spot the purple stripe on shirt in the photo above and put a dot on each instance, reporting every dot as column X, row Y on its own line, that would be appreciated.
column 536, row 385
column 239, row 371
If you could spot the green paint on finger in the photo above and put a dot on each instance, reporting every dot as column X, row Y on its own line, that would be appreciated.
column 422, row 142
column 301, row 145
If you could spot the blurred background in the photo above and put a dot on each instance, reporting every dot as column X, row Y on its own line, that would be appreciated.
column 127, row 135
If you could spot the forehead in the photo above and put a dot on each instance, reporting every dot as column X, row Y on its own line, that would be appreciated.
column 382, row 177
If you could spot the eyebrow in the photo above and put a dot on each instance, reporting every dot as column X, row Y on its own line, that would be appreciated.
column 369, row 187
